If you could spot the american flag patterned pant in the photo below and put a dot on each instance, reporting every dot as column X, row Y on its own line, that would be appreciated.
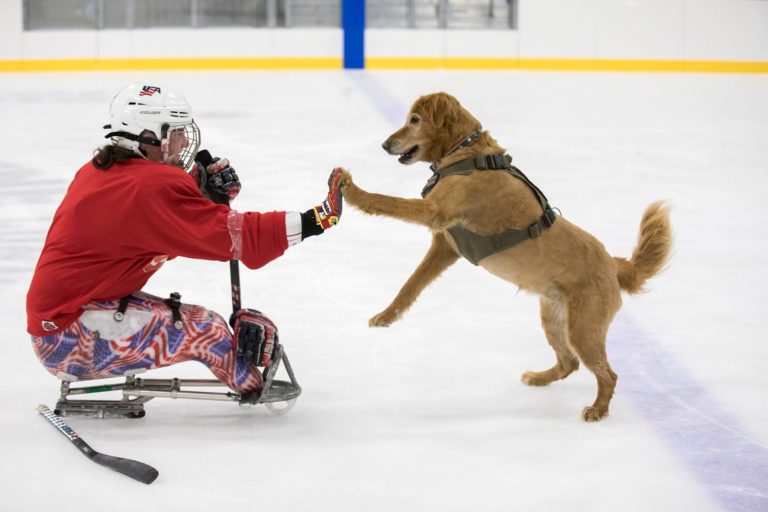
column 97, row 346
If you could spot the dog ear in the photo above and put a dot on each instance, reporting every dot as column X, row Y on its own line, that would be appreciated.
column 447, row 114
column 441, row 109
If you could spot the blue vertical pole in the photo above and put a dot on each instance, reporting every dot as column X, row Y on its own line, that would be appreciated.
column 353, row 25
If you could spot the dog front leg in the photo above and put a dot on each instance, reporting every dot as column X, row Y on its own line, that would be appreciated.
column 439, row 257
column 418, row 211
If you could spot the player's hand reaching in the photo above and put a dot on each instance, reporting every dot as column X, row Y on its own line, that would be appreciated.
column 328, row 212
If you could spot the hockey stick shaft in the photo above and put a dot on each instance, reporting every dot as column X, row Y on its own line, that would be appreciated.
column 234, row 278
column 205, row 158
column 137, row 470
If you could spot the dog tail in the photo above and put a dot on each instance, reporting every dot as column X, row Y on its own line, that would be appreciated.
column 651, row 254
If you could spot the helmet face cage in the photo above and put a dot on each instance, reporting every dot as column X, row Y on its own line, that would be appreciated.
column 179, row 144
column 138, row 109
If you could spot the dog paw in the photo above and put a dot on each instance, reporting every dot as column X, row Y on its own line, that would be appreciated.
column 346, row 180
column 383, row 319
column 351, row 192
column 592, row 413
column 535, row 379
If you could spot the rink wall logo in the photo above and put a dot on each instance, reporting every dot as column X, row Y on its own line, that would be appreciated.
column 149, row 90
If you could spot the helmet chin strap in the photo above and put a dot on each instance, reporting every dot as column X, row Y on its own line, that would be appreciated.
column 182, row 158
column 141, row 139
column 163, row 144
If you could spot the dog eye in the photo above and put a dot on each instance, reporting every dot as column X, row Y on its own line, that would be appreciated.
column 414, row 120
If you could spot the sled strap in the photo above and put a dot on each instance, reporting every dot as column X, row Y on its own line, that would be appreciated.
column 121, row 308
column 174, row 302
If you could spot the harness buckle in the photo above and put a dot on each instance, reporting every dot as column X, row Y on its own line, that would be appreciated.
column 549, row 217
column 534, row 230
column 495, row 161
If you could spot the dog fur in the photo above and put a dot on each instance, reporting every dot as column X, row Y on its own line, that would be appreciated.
column 578, row 282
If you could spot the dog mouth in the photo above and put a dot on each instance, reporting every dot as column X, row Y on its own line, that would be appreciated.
column 408, row 155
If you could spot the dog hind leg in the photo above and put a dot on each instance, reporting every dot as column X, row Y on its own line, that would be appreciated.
column 554, row 318
column 588, row 323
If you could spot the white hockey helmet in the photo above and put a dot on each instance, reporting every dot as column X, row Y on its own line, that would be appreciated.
column 151, row 114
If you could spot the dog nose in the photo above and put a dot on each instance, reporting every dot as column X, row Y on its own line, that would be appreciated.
column 386, row 145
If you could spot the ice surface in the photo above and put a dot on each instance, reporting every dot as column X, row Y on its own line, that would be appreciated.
column 429, row 414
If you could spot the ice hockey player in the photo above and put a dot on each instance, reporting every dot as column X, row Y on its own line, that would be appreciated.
column 127, row 211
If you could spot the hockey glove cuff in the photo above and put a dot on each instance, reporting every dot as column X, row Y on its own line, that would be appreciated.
column 328, row 213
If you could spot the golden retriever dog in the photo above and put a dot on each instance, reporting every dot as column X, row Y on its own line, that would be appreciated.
column 578, row 282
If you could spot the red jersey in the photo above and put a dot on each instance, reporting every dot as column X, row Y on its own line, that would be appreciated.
column 115, row 228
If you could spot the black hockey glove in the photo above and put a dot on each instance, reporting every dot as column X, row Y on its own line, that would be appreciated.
column 222, row 179
column 217, row 180
column 256, row 336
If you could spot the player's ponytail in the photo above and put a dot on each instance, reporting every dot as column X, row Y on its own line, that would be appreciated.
column 110, row 154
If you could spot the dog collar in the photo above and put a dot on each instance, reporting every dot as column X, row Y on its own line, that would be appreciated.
column 455, row 148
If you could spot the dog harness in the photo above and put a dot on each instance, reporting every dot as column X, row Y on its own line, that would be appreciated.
column 476, row 247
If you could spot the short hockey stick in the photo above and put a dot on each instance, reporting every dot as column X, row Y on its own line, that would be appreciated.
column 132, row 468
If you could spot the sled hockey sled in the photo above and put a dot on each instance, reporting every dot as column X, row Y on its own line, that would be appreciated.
column 279, row 396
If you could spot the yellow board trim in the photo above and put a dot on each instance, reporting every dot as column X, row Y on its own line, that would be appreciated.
column 482, row 63
column 172, row 64
column 382, row 63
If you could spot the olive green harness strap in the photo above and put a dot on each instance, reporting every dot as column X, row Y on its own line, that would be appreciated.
column 476, row 247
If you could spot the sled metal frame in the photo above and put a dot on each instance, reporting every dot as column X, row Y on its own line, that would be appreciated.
column 138, row 391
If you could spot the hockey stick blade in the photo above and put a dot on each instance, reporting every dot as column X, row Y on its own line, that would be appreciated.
column 137, row 470
column 144, row 473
